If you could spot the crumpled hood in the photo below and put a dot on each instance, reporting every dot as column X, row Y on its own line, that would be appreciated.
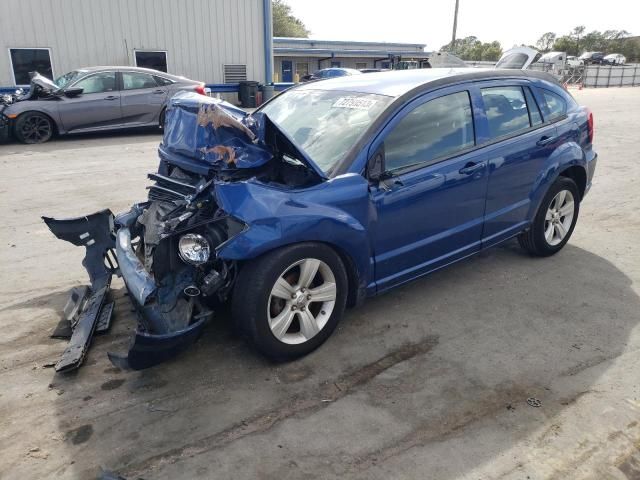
column 204, row 134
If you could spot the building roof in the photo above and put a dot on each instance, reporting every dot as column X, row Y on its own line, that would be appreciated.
column 312, row 41
column 398, row 82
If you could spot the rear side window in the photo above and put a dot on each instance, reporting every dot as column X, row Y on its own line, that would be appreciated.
column 433, row 130
column 136, row 80
column 556, row 106
column 534, row 110
column 506, row 110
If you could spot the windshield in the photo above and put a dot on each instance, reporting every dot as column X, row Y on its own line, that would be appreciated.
column 67, row 78
column 325, row 124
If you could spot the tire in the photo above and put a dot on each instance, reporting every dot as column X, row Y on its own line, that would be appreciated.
column 256, row 310
column 33, row 127
column 161, row 118
column 560, row 223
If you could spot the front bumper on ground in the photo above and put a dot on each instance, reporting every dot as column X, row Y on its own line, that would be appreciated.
column 109, row 251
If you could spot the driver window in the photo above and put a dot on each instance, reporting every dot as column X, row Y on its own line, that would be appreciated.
column 433, row 130
column 98, row 83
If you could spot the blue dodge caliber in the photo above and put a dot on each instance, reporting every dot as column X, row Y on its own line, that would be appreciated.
column 332, row 192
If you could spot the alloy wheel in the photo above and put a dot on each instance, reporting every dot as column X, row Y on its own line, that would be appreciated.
column 302, row 301
column 36, row 129
column 559, row 216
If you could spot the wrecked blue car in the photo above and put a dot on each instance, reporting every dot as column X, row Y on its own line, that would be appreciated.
column 329, row 193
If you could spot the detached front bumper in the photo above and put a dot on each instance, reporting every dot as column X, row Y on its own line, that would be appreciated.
column 109, row 251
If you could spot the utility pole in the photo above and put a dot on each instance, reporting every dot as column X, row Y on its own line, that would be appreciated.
column 455, row 24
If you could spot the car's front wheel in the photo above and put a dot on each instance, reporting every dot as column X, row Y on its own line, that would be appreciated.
column 33, row 127
column 290, row 300
column 555, row 220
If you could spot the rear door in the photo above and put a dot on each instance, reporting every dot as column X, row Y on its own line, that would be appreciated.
column 430, row 208
column 518, row 144
column 97, row 107
column 141, row 98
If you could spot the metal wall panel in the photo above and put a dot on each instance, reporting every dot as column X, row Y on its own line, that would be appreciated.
column 200, row 36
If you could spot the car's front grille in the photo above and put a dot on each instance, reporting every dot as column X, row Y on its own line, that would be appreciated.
column 168, row 189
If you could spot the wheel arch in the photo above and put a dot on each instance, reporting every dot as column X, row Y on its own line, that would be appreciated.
column 56, row 128
column 578, row 174
column 355, row 294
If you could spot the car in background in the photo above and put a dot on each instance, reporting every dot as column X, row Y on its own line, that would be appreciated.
column 592, row 58
column 374, row 70
column 518, row 58
column 90, row 100
column 331, row 72
column 614, row 59
column 574, row 62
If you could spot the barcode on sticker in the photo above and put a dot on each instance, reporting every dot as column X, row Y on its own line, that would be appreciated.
column 354, row 102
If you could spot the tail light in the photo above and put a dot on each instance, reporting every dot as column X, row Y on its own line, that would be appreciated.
column 200, row 89
column 590, row 124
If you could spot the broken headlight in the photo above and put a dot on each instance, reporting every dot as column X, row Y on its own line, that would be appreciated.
column 194, row 249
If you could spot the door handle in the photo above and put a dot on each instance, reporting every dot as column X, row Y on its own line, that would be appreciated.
column 471, row 167
column 158, row 91
column 545, row 140
column 111, row 97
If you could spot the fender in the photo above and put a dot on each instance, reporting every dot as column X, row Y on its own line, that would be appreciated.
column 565, row 156
column 335, row 212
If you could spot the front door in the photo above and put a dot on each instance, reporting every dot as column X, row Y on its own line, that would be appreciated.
column 142, row 98
column 287, row 71
column 97, row 107
column 430, row 208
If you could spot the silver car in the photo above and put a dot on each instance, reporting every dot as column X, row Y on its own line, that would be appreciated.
column 90, row 100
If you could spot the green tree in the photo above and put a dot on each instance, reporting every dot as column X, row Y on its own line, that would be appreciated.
column 284, row 23
column 546, row 41
column 470, row 48
column 576, row 33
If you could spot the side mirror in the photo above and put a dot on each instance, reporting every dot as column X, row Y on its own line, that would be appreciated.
column 73, row 92
column 375, row 167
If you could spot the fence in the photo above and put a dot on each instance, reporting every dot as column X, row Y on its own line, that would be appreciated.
column 593, row 76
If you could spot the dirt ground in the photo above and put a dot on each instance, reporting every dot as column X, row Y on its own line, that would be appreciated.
column 430, row 381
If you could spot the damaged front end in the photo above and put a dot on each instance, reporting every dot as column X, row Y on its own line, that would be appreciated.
column 165, row 248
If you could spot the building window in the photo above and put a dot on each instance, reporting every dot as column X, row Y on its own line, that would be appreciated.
column 25, row 60
column 157, row 60
column 335, row 64
column 361, row 65
column 302, row 69
column 234, row 73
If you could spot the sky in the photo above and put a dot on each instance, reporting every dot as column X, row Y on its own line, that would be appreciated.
column 511, row 22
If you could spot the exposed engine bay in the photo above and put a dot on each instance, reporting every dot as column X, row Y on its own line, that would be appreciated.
column 166, row 248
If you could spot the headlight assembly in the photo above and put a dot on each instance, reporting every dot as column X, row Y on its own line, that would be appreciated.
column 194, row 249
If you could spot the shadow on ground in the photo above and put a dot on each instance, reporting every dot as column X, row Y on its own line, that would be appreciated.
column 406, row 371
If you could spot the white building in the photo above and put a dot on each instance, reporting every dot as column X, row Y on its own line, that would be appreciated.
column 216, row 41
column 300, row 56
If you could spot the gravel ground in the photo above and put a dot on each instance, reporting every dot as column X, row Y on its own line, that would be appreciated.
column 429, row 381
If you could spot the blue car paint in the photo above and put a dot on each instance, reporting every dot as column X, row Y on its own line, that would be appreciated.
column 395, row 233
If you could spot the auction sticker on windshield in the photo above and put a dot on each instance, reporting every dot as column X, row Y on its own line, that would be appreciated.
column 356, row 103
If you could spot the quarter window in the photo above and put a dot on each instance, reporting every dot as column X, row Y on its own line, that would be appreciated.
column 25, row 60
column 433, row 130
column 98, row 83
column 135, row 81
column 156, row 60
column 534, row 111
column 556, row 106
column 161, row 81
column 506, row 110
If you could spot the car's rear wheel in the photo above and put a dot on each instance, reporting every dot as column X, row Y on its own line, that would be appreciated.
column 162, row 118
column 289, row 301
column 33, row 127
column 555, row 220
